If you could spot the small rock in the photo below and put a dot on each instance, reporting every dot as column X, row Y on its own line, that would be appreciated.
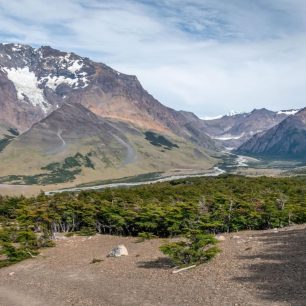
column 275, row 230
column 118, row 251
column 59, row 236
column 220, row 238
column 236, row 237
column 11, row 273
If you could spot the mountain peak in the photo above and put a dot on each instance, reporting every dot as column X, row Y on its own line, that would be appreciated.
column 234, row 129
column 284, row 140
column 262, row 110
column 41, row 80
column 288, row 112
column 233, row 113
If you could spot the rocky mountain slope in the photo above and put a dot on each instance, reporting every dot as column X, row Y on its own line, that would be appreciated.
column 67, row 112
column 35, row 82
column 285, row 140
column 64, row 117
column 233, row 130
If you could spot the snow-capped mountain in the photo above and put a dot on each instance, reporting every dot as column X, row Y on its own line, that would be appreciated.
column 288, row 112
column 285, row 140
column 34, row 82
column 59, row 106
column 229, row 114
column 64, row 117
column 234, row 129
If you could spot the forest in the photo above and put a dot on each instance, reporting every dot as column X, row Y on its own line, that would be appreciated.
column 207, row 205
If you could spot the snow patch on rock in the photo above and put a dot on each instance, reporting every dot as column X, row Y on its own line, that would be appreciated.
column 227, row 137
column 54, row 81
column 229, row 114
column 77, row 79
column 75, row 66
column 212, row 118
column 241, row 161
column 26, row 84
column 288, row 112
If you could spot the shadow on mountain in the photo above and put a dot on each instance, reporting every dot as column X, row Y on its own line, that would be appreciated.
column 279, row 272
column 160, row 263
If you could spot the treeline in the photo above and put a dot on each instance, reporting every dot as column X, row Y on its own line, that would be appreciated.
column 208, row 205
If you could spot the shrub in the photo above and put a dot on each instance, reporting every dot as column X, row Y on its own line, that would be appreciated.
column 145, row 236
column 86, row 231
column 159, row 141
column 16, row 254
column 196, row 249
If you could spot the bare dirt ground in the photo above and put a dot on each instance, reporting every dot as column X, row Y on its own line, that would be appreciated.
column 256, row 268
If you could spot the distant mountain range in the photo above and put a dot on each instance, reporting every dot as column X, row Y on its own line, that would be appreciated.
column 286, row 140
column 65, row 118
column 232, row 130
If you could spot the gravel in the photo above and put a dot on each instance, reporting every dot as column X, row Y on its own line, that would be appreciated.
column 254, row 268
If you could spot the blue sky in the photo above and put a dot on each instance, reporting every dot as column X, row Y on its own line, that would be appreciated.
column 204, row 56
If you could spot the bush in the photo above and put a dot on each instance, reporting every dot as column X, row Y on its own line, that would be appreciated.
column 16, row 254
column 210, row 205
column 86, row 231
column 145, row 236
column 196, row 249
column 70, row 234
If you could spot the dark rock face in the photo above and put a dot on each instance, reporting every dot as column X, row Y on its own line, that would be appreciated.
column 285, row 140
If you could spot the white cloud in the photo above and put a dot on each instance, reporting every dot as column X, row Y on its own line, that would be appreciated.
column 205, row 56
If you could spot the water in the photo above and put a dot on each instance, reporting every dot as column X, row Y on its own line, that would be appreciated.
column 215, row 172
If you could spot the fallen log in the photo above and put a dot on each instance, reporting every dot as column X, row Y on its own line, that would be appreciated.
column 183, row 269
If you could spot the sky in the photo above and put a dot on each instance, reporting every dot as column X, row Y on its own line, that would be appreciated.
column 204, row 56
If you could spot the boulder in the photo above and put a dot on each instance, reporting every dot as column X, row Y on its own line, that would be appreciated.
column 59, row 236
column 118, row 251
column 220, row 238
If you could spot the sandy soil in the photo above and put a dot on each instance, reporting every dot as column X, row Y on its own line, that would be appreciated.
column 256, row 268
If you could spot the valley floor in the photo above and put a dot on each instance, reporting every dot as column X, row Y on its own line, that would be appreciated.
column 254, row 268
column 170, row 175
